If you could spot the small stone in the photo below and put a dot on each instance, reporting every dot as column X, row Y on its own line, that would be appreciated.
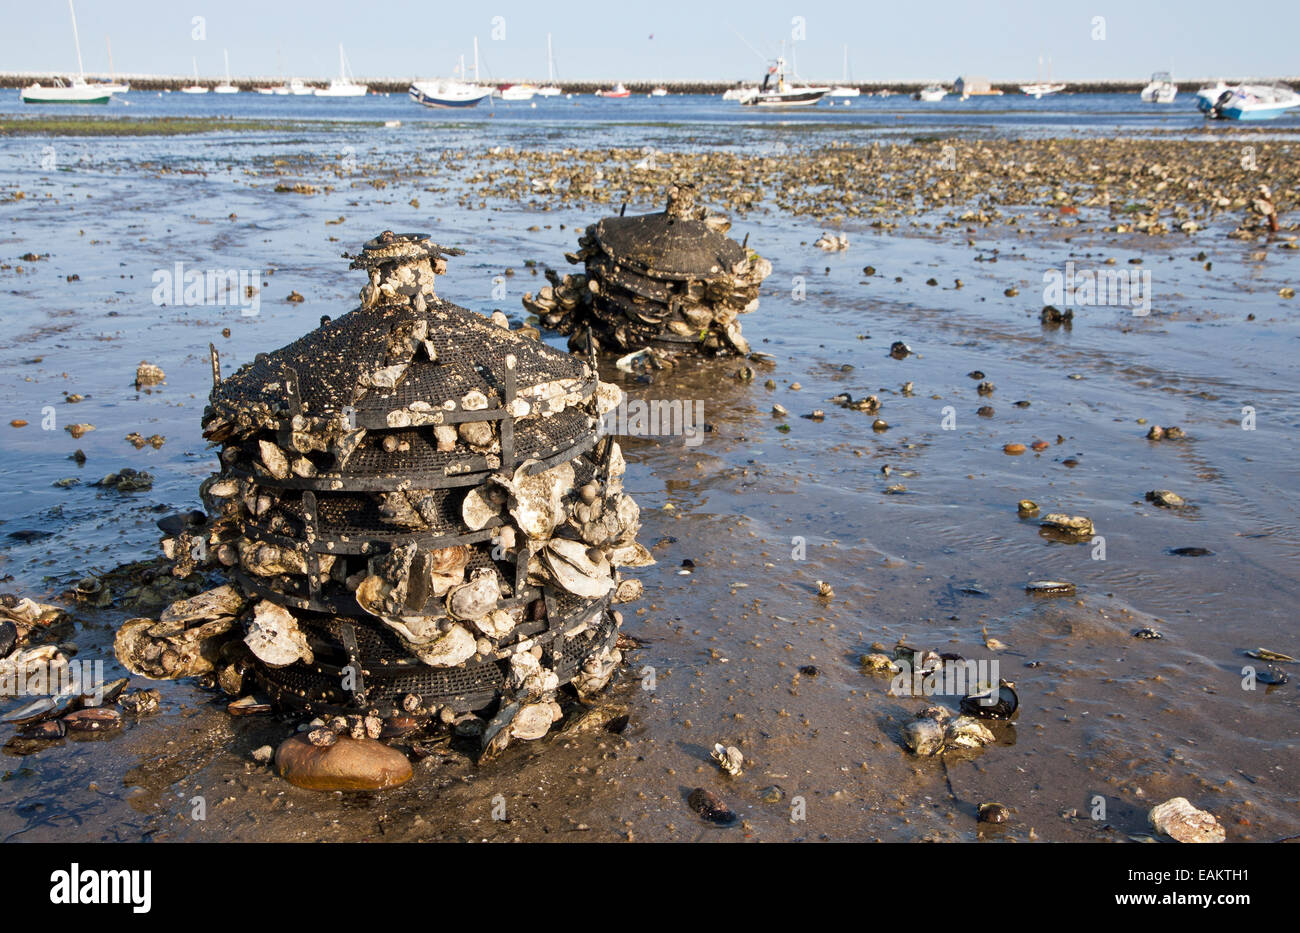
column 1014, row 450
column 348, row 764
column 994, row 813
column 263, row 754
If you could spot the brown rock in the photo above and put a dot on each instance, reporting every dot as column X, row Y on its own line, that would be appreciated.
column 1013, row 449
column 349, row 764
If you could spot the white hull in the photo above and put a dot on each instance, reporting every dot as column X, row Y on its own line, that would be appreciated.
column 844, row 92
column 225, row 89
column 454, row 94
column 519, row 92
column 930, row 94
column 341, row 90
column 549, row 92
column 73, row 94
column 1039, row 91
column 196, row 89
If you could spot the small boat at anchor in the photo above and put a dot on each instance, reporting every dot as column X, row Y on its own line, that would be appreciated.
column 1160, row 90
column 932, row 93
column 617, row 91
column 343, row 85
column 775, row 92
column 1246, row 101
column 73, row 90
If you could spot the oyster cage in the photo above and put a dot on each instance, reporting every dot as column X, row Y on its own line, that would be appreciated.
column 671, row 280
column 416, row 510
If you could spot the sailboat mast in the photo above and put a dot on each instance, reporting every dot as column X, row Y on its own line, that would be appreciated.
column 476, row 59
column 342, row 71
column 112, row 75
column 76, row 39
column 845, row 78
column 550, row 61
column 226, row 53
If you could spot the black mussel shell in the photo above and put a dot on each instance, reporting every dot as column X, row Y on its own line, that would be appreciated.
column 1005, row 707
column 710, row 806
column 1272, row 676
column 8, row 637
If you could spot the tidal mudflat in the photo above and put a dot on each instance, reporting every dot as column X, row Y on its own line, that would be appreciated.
column 805, row 532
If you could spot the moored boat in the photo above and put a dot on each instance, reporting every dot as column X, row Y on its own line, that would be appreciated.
column 931, row 93
column 1160, row 90
column 617, row 91
column 343, row 85
column 1246, row 101
column 74, row 90
column 775, row 92
column 442, row 92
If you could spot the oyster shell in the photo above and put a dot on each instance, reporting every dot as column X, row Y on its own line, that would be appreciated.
column 1180, row 820
column 573, row 567
column 477, row 598
column 536, row 500
column 274, row 637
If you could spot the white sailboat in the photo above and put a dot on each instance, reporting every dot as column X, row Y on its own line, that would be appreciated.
column 843, row 89
column 1041, row 88
column 549, row 90
column 451, row 92
column 195, row 88
column 343, row 85
column 74, row 90
column 112, row 85
column 226, row 87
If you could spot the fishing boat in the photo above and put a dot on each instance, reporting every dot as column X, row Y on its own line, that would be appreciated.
column 618, row 90
column 73, row 90
column 1160, row 90
column 226, row 87
column 1041, row 88
column 931, row 93
column 518, row 92
column 343, row 85
column 844, row 89
column 775, row 92
column 1246, row 101
column 549, row 89
column 195, row 88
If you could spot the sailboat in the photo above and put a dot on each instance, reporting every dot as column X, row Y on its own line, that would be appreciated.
column 550, row 90
column 843, row 89
column 74, row 90
column 1041, row 88
column 343, row 85
column 776, row 93
column 226, row 87
column 195, row 88
column 112, row 85
column 451, row 92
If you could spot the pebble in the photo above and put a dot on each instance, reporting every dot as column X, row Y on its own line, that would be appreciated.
column 1014, row 450
column 346, row 765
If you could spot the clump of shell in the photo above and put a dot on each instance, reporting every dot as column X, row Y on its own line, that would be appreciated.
column 671, row 279
column 441, row 565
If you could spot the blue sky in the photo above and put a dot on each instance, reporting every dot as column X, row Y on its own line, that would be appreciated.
column 902, row 40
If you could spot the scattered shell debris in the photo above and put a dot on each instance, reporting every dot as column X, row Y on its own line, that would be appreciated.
column 671, row 280
column 418, row 521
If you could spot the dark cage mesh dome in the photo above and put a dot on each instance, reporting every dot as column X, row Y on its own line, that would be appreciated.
column 672, row 279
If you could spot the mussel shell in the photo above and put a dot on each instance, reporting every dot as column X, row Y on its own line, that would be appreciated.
column 8, row 637
column 708, row 805
column 1005, row 708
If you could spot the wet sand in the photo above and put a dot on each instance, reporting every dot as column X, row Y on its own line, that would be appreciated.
column 941, row 564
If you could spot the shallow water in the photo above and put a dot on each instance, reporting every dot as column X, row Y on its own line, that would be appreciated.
column 941, row 565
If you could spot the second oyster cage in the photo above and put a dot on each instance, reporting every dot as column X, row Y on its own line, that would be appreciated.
column 348, row 460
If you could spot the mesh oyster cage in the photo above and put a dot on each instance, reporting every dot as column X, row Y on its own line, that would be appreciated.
column 358, row 663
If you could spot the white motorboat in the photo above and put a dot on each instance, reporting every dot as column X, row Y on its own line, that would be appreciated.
column 73, row 90
column 739, row 92
column 659, row 92
column 931, row 93
column 775, row 92
column 1160, row 90
column 226, row 87
column 195, row 88
column 343, row 85
column 518, row 92
column 1246, row 101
